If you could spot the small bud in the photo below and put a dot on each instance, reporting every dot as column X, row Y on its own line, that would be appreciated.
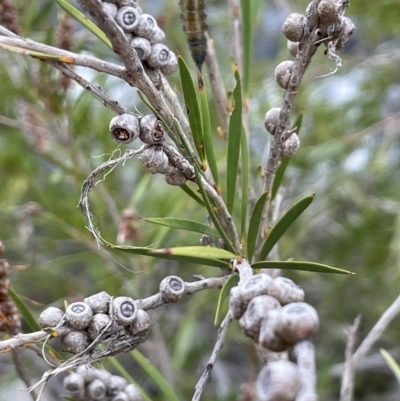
column 151, row 130
column 142, row 47
column 257, row 310
column 115, row 385
column 97, row 325
column 271, row 119
column 133, row 393
column 75, row 342
column 146, row 26
column 283, row 72
column 159, row 56
column 291, row 145
column 75, row 384
column 96, row 390
column 50, row 317
column 278, row 381
column 128, row 18
column 141, row 323
column 124, row 128
column 99, row 303
column 285, row 290
column 78, row 315
column 124, row 310
column 298, row 321
column 293, row 27
column 172, row 65
column 172, row 288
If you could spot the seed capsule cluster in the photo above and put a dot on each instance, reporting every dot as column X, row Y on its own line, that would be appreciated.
column 88, row 384
column 10, row 320
column 158, row 157
column 272, row 312
column 144, row 35
column 99, row 317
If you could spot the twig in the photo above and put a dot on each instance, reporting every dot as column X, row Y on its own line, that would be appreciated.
column 236, row 34
column 223, row 330
column 305, row 354
column 376, row 332
column 346, row 389
column 217, row 84
column 16, row 357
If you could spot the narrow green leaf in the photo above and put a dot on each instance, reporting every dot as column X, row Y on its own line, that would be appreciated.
column 231, row 282
column 393, row 365
column 183, row 224
column 254, row 225
column 192, row 194
column 208, row 144
column 298, row 265
column 124, row 373
column 234, row 136
column 245, row 183
column 283, row 224
column 80, row 17
column 23, row 309
column 193, row 108
column 284, row 162
column 206, row 252
column 165, row 255
column 211, row 212
column 155, row 375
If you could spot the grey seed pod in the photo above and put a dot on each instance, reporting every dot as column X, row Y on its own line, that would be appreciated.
column 130, row 3
column 128, row 18
column 96, row 390
column 236, row 304
column 151, row 130
column 175, row 177
column 172, row 288
column 269, row 337
column 50, row 317
column 116, row 385
column 78, row 315
column 124, row 310
column 142, row 47
column 141, row 323
column 159, row 56
column 75, row 384
column 103, row 375
column 75, row 342
column 146, row 27
column 257, row 310
column 285, row 290
column 347, row 28
column 155, row 160
column 97, row 325
column 283, row 72
column 121, row 396
column 157, row 36
column 298, row 321
column 329, row 11
column 172, row 65
column 291, row 145
column 293, row 27
column 99, row 303
column 293, row 48
column 128, row 36
column 278, row 381
column 133, row 393
column 86, row 371
column 124, row 128
column 110, row 8
column 271, row 119
column 258, row 284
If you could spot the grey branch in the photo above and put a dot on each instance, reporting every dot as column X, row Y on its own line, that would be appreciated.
column 305, row 354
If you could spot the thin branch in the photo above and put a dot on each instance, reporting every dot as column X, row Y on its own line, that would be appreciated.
column 19, row 368
column 236, row 33
column 346, row 389
column 305, row 354
column 223, row 330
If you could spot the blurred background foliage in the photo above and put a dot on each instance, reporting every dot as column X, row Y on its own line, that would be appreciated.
column 52, row 137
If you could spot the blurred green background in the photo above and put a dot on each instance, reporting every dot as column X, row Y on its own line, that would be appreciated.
column 51, row 139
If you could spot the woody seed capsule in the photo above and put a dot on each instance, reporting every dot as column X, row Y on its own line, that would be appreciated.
column 133, row 393
column 128, row 18
column 124, row 128
column 125, row 310
column 172, row 65
column 151, row 130
column 172, row 288
column 96, row 390
column 99, row 303
column 283, row 73
column 271, row 119
column 50, row 317
column 78, row 315
column 285, row 290
column 75, row 384
column 75, row 342
column 159, row 56
column 141, row 323
column 293, row 27
column 291, row 145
